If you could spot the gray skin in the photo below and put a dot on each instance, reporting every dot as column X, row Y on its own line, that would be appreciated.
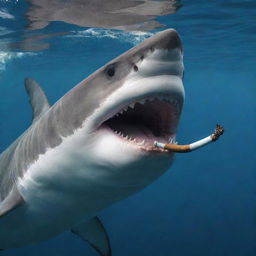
column 64, row 116
column 52, row 124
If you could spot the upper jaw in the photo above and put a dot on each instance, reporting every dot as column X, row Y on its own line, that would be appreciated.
column 145, row 99
column 145, row 85
column 151, row 97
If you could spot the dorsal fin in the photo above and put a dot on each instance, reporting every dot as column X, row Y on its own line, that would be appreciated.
column 37, row 98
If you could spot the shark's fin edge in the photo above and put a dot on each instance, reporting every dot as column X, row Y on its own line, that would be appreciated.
column 37, row 98
column 94, row 233
column 11, row 202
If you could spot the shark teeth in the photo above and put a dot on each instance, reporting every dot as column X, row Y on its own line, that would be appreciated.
column 132, row 105
column 148, row 99
column 142, row 142
column 126, row 137
column 156, row 119
column 172, row 140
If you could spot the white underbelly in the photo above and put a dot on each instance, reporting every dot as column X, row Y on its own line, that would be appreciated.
column 71, row 183
column 48, row 212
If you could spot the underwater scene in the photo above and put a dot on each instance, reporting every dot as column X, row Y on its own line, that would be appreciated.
column 153, row 202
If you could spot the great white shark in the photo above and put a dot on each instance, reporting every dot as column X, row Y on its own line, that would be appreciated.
column 93, row 147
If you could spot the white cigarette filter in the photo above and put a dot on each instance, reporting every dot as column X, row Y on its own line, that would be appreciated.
column 219, row 130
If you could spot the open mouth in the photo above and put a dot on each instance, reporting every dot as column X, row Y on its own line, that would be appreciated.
column 144, row 121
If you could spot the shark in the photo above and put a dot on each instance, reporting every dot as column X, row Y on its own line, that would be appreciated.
column 93, row 147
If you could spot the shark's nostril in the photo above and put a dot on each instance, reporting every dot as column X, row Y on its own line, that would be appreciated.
column 135, row 68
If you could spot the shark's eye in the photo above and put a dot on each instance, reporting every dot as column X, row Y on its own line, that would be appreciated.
column 135, row 68
column 110, row 70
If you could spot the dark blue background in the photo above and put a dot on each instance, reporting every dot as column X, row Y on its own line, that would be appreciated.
column 205, row 204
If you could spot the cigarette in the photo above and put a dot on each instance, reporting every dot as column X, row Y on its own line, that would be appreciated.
column 219, row 130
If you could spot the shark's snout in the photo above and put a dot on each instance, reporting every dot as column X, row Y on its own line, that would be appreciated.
column 167, row 40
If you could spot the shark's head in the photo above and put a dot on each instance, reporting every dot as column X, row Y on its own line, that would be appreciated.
column 132, row 101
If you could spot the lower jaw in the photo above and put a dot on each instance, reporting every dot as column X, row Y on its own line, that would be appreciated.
column 142, row 144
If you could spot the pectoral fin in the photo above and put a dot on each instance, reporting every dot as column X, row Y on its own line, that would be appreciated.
column 95, row 234
column 12, row 201
column 37, row 98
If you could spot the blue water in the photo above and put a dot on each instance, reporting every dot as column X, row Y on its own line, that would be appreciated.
column 205, row 204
